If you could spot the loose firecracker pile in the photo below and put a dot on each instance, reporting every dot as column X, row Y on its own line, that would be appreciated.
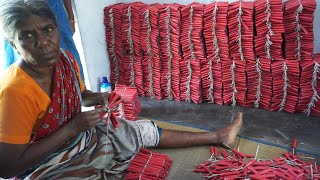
column 232, row 164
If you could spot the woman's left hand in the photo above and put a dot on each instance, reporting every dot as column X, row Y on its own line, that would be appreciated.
column 104, row 98
column 90, row 98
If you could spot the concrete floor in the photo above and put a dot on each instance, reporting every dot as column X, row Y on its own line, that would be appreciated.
column 276, row 128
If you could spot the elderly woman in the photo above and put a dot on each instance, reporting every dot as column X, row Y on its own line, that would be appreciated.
column 43, row 133
column 66, row 26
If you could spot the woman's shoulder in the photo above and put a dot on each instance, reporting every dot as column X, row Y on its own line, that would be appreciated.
column 14, row 79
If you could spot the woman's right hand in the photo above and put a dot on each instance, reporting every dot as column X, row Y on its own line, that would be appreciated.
column 86, row 120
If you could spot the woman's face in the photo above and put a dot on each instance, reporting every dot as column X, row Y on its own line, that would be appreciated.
column 38, row 41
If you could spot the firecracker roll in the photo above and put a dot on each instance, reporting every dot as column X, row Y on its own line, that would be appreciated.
column 112, row 21
column 285, row 85
column 169, row 44
column 131, row 46
column 298, row 23
column 193, row 52
column 269, row 28
column 217, row 50
column 149, row 38
column 240, row 25
column 313, row 107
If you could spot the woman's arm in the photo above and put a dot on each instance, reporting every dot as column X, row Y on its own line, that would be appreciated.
column 90, row 98
column 17, row 158
column 68, row 7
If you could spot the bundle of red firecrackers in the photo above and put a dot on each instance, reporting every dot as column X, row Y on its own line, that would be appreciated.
column 149, row 36
column 268, row 46
column 298, row 24
column 214, row 31
column 123, row 103
column 310, row 88
column 149, row 165
column 193, row 52
column 240, row 24
column 112, row 21
column 130, row 108
column 131, row 46
column 236, row 165
column 169, row 45
column 269, row 27
column 114, row 100
column 285, row 85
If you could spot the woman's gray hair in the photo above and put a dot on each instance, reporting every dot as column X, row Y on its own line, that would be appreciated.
column 14, row 11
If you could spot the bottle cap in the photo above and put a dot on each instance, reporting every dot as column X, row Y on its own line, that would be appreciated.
column 105, row 80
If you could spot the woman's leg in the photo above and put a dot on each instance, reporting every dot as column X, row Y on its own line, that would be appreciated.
column 179, row 139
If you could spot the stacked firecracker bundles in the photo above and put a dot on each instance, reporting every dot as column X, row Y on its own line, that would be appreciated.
column 193, row 52
column 298, row 23
column 169, row 27
column 215, row 34
column 240, row 23
column 130, row 107
column 268, row 47
column 151, row 65
column 299, row 47
column 182, row 52
column 112, row 21
column 285, row 85
column 310, row 87
column 131, row 46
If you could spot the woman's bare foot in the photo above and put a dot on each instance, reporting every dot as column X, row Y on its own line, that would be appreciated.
column 179, row 139
column 227, row 135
